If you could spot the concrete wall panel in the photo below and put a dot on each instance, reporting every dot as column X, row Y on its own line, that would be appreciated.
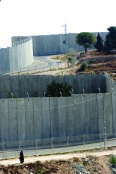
column 4, row 121
column 100, row 109
column 21, row 86
column 54, row 116
column 46, row 119
column 78, row 119
column 114, row 113
column 69, row 102
column 85, row 114
column 38, row 119
column 29, row 117
column 13, row 120
column 93, row 117
column 62, row 117
column 21, row 119
column 108, row 112
column 7, row 87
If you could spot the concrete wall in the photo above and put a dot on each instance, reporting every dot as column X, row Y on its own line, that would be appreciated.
column 36, row 84
column 54, row 44
column 42, row 118
column 16, row 57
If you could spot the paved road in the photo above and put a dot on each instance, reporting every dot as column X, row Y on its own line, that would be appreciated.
column 29, row 151
column 43, row 63
column 56, row 157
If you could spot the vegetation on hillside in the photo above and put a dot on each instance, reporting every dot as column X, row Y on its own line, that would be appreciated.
column 86, row 40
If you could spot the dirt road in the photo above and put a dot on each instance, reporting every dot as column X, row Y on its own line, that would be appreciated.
column 57, row 157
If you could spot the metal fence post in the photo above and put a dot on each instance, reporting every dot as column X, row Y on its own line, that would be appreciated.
column 52, row 144
column 67, row 142
column 36, row 146
column 84, row 141
column 19, row 145
column 3, row 149
column 100, row 140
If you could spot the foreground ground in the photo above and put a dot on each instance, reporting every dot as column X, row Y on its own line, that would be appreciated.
column 92, row 162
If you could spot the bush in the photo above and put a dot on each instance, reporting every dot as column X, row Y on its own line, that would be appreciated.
column 69, row 55
column 55, row 89
column 69, row 59
column 113, row 160
column 84, row 66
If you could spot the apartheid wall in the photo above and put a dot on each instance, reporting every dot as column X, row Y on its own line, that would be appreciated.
column 14, row 58
column 54, row 44
column 28, row 119
column 36, row 84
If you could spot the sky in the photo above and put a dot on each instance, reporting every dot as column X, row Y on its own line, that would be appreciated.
column 43, row 17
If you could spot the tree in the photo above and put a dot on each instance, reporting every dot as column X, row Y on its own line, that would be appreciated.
column 86, row 40
column 99, row 44
column 110, row 42
column 56, row 89
column 107, row 44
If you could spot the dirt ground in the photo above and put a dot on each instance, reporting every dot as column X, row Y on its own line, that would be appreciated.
column 96, row 161
column 95, row 165
column 96, row 67
column 92, row 164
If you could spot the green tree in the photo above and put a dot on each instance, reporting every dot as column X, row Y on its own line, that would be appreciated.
column 110, row 42
column 86, row 40
column 99, row 44
column 56, row 89
column 107, row 44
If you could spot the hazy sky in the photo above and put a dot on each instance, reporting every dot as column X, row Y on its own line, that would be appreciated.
column 40, row 17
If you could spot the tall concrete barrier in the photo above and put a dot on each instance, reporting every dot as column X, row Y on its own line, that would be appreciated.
column 16, row 57
column 53, row 44
column 23, row 86
column 47, row 120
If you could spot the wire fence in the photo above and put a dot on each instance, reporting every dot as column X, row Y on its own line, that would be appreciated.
column 43, row 68
column 56, row 145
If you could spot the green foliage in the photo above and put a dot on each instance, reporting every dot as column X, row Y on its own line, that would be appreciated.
column 99, row 43
column 84, row 66
column 69, row 55
column 113, row 160
column 86, row 40
column 69, row 59
column 55, row 89
column 110, row 42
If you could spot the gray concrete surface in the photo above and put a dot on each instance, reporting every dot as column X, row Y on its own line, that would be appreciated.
column 16, row 57
column 29, row 119
column 19, row 85
column 53, row 44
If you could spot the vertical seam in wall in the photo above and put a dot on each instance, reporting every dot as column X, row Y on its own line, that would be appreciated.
column 9, row 123
column 112, row 114
column 33, row 119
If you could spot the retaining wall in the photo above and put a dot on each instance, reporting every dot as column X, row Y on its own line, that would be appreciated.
column 39, row 118
column 16, row 57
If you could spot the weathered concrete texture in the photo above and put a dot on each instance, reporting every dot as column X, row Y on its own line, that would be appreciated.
column 27, row 120
column 53, row 44
column 16, row 57
column 34, row 85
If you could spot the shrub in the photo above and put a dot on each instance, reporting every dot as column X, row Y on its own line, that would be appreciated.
column 84, row 66
column 69, row 59
column 55, row 89
column 113, row 160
